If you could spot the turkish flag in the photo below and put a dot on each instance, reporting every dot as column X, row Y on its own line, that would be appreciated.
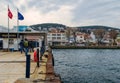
column 10, row 15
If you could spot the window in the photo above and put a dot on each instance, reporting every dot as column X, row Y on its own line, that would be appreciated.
column 53, row 34
column 11, row 41
column 58, row 37
column 53, row 38
column 58, row 34
column 63, row 37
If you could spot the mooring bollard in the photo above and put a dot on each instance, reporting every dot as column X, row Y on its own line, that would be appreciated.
column 27, row 66
column 38, row 65
column 42, row 49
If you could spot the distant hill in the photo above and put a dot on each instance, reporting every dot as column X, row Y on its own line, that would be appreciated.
column 98, row 27
column 46, row 26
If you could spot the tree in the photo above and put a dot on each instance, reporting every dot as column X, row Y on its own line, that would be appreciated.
column 71, row 31
column 99, row 33
column 74, row 30
column 113, row 35
column 68, row 30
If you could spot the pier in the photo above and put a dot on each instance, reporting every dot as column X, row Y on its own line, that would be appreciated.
column 13, row 68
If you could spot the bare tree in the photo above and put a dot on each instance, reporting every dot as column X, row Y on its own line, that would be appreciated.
column 68, row 32
column 99, row 33
column 113, row 35
column 74, row 30
column 71, row 31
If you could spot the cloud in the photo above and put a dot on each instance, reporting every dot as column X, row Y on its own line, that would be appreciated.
column 35, row 17
column 38, row 13
column 97, row 12
column 68, row 12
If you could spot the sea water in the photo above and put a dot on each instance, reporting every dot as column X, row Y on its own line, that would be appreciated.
column 88, row 65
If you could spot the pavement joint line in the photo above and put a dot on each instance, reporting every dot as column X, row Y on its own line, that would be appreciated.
column 13, row 59
column 6, row 63
column 9, row 52
column 15, row 62
column 11, row 74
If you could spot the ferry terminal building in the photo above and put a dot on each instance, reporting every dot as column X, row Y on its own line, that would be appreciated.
column 15, row 38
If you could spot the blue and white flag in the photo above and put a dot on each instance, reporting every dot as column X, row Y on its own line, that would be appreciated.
column 20, row 16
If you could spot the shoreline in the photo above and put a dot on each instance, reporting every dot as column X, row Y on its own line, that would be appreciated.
column 85, row 47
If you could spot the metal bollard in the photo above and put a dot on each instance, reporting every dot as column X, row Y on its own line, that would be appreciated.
column 27, row 66
column 53, row 63
column 38, row 65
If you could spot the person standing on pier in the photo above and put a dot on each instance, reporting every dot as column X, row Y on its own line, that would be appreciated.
column 30, row 44
column 26, row 46
column 21, row 46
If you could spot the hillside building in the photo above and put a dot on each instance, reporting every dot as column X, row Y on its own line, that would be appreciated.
column 56, row 37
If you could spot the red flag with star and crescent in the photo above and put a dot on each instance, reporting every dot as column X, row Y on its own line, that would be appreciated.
column 10, row 15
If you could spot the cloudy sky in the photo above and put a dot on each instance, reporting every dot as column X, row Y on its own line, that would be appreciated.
column 68, row 12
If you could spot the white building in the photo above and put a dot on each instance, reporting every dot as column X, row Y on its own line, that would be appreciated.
column 92, row 38
column 106, row 38
column 80, row 37
column 55, row 37
column 71, row 39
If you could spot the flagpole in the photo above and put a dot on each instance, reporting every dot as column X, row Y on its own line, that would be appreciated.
column 17, row 28
column 8, row 31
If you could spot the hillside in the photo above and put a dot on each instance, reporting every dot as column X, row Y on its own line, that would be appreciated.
column 98, row 27
column 56, row 25
column 47, row 25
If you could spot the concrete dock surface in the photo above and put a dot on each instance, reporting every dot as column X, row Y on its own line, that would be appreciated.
column 13, row 65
